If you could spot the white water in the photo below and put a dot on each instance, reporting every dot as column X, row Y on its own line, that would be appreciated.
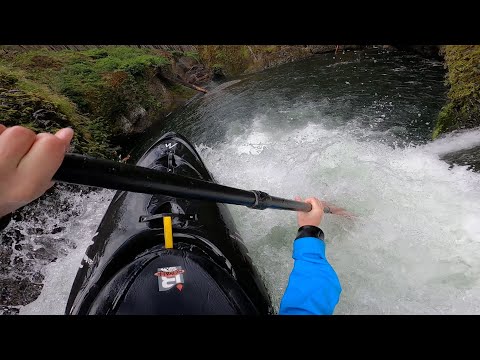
column 79, row 230
column 414, row 249
column 455, row 141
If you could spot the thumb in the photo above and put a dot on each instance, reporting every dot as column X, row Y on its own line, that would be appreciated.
column 66, row 136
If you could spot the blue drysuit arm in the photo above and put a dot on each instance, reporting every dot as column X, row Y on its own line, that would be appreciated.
column 313, row 287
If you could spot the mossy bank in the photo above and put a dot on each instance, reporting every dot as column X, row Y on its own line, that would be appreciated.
column 107, row 92
column 462, row 110
column 100, row 93
column 235, row 60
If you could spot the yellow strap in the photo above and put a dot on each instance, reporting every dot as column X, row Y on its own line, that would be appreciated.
column 167, row 232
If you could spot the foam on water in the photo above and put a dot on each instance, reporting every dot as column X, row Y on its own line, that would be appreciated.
column 415, row 247
column 79, row 230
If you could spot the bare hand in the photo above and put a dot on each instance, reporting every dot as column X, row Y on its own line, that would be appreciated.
column 313, row 217
column 335, row 210
column 28, row 163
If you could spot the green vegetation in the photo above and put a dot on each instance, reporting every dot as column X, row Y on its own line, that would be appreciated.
column 193, row 54
column 87, row 90
column 231, row 59
column 234, row 60
column 182, row 91
column 463, row 78
column 109, row 91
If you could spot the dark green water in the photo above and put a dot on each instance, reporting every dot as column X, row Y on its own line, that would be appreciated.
column 393, row 94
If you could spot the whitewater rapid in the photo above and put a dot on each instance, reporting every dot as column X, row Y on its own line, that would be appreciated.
column 414, row 248
column 352, row 129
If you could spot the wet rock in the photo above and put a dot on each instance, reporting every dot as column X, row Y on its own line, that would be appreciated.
column 218, row 73
column 134, row 121
column 191, row 70
column 48, row 118
column 466, row 157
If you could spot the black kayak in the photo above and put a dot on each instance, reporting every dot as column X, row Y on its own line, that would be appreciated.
column 134, row 267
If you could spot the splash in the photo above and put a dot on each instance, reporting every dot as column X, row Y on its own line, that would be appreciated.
column 416, row 245
column 78, row 225
column 300, row 129
column 455, row 141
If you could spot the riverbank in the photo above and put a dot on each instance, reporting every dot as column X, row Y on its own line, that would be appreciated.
column 100, row 93
column 462, row 110
column 107, row 93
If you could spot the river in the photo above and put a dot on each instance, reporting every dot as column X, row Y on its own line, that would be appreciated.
column 353, row 129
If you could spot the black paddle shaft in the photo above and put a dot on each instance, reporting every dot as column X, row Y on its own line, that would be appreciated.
column 84, row 170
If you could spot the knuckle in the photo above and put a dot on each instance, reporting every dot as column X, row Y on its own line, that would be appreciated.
column 52, row 143
column 20, row 132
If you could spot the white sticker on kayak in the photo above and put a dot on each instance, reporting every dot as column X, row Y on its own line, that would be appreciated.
column 170, row 146
column 169, row 277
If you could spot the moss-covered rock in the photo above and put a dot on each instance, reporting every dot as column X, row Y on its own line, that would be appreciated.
column 463, row 108
column 36, row 107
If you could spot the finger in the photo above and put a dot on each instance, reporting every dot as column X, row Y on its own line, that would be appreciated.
column 313, row 201
column 66, row 136
column 298, row 198
column 2, row 128
column 43, row 160
column 316, row 204
column 15, row 142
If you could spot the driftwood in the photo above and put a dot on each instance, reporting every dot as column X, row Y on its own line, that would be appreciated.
column 174, row 78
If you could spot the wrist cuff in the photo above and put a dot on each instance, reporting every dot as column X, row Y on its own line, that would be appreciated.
column 310, row 231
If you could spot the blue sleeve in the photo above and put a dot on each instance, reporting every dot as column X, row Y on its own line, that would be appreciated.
column 313, row 287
